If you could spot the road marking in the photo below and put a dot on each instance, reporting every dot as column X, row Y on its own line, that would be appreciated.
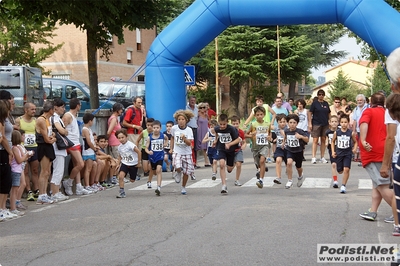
column 311, row 182
column 153, row 185
column 364, row 184
column 205, row 183
column 268, row 182
column 44, row 208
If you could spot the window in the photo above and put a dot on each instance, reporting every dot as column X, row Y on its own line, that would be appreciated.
column 138, row 39
column 129, row 57
column 140, row 78
column 73, row 92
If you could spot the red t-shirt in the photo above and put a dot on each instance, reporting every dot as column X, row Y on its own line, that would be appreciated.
column 241, row 135
column 136, row 121
column 376, row 135
column 211, row 114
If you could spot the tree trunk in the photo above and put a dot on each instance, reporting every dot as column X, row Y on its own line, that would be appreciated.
column 234, row 98
column 92, row 69
column 243, row 96
column 292, row 90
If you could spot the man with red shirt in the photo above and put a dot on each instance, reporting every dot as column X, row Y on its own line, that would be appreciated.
column 372, row 147
column 210, row 112
column 134, row 127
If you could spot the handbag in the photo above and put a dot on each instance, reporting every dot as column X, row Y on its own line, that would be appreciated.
column 62, row 141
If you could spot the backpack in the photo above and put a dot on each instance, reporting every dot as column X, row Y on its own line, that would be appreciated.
column 122, row 117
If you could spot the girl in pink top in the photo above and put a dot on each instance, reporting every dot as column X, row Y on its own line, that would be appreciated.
column 114, row 126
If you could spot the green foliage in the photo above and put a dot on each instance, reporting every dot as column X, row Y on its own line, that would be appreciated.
column 342, row 87
column 204, row 94
column 267, row 91
column 378, row 82
column 19, row 33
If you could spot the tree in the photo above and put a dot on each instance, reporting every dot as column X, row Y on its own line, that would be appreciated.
column 379, row 81
column 99, row 19
column 19, row 33
column 343, row 87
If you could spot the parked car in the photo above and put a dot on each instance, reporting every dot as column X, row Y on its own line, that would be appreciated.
column 123, row 91
column 67, row 89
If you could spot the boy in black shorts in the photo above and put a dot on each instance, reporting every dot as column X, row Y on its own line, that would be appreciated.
column 226, row 141
column 295, row 139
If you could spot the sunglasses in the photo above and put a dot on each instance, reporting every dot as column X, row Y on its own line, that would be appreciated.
column 320, row 94
column 337, row 102
column 203, row 107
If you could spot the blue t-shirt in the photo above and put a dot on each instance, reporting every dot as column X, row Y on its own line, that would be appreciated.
column 344, row 142
column 320, row 113
column 294, row 144
column 157, row 146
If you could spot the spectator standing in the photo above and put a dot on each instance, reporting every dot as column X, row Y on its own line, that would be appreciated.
column 336, row 107
column 357, row 113
column 202, row 130
column 113, row 143
column 134, row 126
column 210, row 112
column 318, row 118
column 192, row 106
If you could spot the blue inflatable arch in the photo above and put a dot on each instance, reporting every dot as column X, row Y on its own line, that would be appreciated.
column 373, row 20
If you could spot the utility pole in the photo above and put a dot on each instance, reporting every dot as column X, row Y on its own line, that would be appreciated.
column 217, row 94
column 279, row 63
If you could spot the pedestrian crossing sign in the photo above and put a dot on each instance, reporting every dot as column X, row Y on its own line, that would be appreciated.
column 190, row 78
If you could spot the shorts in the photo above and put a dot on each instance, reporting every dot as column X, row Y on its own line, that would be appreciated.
column 75, row 148
column 5, row 170
column 212, row 155
column 128, row 169
column 154, row 165
column 15, row 179
column 318, row 131
column 333, row 160
column 373, row 172
column 279, row 152
column 229, row 157
column 89, row 157
column 185, row 162
column 145, row 156
column 259, row 151
column 166, row 153
column 343, row 161
column 297, row 157
column 35, row 154
column 46, row 149
column 239, row 156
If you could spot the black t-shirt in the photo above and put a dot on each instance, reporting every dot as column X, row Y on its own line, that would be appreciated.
column 329, row 133
column 294, row 144
column 229, row 134
column 320, row 113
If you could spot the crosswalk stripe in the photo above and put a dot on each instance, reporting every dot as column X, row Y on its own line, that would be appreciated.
column 153, row 185
column 204, row 183
column 364, row 184
column 312, row 182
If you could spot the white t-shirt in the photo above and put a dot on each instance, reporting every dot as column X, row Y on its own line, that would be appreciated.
column 89, row 151
column 303, row 120
column 128, row 155
column 73, row 130
column 179, row 145
column 57, row 119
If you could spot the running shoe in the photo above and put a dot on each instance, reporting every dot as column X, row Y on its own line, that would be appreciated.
column 277, row 181
column 36, row 194
column 289, row 184
column 389, row 219
column 269, row 160
column 44, row 199
column 300, row 180
column 259, row 183
column 60, row 197
column 177, row 177
column 224, row 189
column 7, row 214
column 343, row 189
column 396, row 230
column 17, row 212
column 237, row 183
column 30, row 196
column 83, row 191
column 158, row 191
column 192, row 176
column 214, row 176
column 20, row 206
column 183, row 191
column 335, row 184
column 368, row 215
column 148, row 184
column 323, row 160
column 121, row 195
column 2, row 218
column 67, row 188
column 313, row 160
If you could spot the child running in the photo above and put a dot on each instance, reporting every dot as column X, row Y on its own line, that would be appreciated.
column 235, row 121
column 141, row 142
column 226, row 141
column 344, row 145
column 211, row 151
column 295, row 139
column 280, row 152
column 333, row 126
column 259, row 132
column 129, row 158
column 167, row 155
column 155, row 144
column 181, row 148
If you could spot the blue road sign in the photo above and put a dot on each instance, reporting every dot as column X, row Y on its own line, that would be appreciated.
column 190, row 78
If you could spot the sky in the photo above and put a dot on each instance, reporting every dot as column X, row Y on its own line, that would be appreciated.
column 347, row 44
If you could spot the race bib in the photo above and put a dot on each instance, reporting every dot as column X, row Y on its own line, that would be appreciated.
column 225, row 137
column 261, row 139
column 178, row 139
column 279, row 140
column 168, row 145
column 157, row 144
column 343, row 142
column 30, row 139
column 210, row 142
column 127, row 158
column 330, row 137
column 292, row 141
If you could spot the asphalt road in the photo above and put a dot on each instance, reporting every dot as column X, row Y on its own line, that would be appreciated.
column 249, row 226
